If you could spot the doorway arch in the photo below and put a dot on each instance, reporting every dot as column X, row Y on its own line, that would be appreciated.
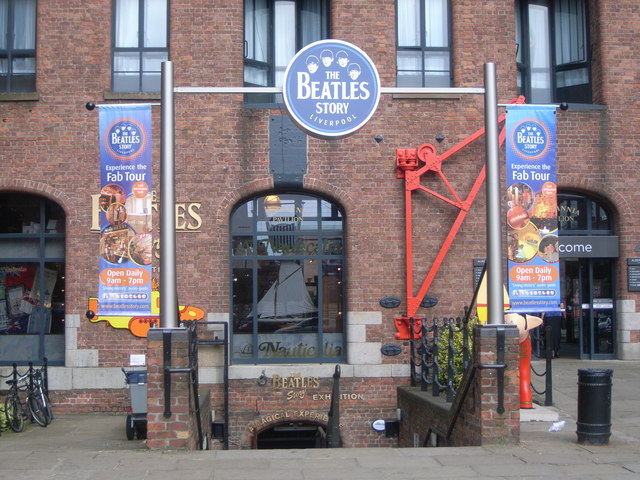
column 588, row 257
column 291, row 434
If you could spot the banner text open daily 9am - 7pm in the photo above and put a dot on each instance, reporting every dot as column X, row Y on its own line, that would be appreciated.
column 126, row 243
column 532, row 213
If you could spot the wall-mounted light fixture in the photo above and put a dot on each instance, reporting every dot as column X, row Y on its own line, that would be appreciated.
column 272, row 202
column 262, row 379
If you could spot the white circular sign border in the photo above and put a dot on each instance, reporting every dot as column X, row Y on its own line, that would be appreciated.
column 302, row 125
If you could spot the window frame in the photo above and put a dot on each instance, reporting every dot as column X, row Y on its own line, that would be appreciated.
column 590, row 203
column 42, row 260
column 255, row 259
column 423, row 48
column 578, row 94
column 9, row 54
column 141, row 50
column 269, row 66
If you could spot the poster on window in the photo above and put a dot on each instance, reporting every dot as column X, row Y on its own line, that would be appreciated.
column 531, row 206
column 124, row 286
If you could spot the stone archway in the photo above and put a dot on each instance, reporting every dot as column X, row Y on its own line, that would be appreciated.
column 291, row 434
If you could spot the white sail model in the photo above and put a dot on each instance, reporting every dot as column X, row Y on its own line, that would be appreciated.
column 288, row 299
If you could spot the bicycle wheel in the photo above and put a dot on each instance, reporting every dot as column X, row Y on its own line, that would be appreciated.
column 39, row 390
column 37, row 408
column 13, row 412
column 48, row 410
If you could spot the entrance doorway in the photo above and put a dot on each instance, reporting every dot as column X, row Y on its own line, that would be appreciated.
column 588, row 293
column 588, row 255
column 291, row 435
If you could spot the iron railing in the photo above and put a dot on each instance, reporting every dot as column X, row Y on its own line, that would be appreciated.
column 547, row 354
column 333, row 424
column 438, row 339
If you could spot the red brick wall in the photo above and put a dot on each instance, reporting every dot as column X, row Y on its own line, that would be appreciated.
column 479, row 422
column 50, row 147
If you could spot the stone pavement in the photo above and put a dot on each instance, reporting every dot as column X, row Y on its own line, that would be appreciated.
column 76, row 447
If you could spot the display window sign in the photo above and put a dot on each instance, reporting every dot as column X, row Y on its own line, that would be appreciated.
column 531, row 205
column 125, row 202
column 331, row 89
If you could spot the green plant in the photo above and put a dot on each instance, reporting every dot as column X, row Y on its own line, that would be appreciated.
column 444, row 333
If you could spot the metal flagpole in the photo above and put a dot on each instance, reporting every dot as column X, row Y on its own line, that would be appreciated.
column 168, row 276
column 495, row 295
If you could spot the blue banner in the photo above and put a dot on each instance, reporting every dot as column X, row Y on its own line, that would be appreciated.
column 532, row 212
column 125, row 210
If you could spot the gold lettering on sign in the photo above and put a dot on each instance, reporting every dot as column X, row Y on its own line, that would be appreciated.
column 287, row 415
column 188, row 216
column 294, row 381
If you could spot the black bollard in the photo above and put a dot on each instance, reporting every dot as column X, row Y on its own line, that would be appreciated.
column 594, row 406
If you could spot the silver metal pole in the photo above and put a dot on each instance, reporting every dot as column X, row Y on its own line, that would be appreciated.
column 495, row 296
column 168, row 277
column 392, row 90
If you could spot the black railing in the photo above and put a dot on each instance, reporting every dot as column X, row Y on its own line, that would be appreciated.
column 44, row 370
column 192, row 370
column 440, row 360
column 546, row 352
column 333, row 424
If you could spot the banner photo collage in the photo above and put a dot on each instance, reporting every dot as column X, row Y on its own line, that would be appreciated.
column 126, row 241
column 532, row 213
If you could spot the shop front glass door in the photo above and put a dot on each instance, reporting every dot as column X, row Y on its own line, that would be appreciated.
column 588, row 294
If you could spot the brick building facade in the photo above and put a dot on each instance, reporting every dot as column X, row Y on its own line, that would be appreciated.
column 232, row 150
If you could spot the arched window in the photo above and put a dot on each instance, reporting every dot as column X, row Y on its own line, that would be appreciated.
column 32, row 244
column 287, row 280
column 580, row 214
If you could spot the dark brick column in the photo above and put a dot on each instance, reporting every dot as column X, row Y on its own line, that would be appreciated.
column 483, row 418
column 493, row 426
column 173, row 432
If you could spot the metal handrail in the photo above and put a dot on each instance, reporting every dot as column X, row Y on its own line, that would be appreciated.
column 333, row 424
column 548, row 372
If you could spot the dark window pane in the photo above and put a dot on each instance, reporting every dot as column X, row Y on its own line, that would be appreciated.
column 296, row 274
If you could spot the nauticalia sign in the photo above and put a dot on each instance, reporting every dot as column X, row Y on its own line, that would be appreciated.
column 331, row 89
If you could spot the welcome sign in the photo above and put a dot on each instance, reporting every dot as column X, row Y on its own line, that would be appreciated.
column 331, row 88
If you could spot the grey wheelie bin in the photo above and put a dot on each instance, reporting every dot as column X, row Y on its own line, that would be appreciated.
column 136, row 425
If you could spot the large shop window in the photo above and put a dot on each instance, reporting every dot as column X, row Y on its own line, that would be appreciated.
column 140, row 44
column 17, row 46
column 423, row 43
column 553, row 55
column 287, row 280
column 32, row 283
column 274, row 30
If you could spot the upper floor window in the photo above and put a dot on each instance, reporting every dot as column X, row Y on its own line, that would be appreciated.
column 424, row 43
column 140, row 44
column 17, row 46
column 553, row 55
column 274, row 30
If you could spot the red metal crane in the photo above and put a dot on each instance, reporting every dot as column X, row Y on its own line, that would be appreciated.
column 407, row 167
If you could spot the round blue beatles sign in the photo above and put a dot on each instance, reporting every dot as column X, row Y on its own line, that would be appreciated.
column 530, row 139
column 331, row 89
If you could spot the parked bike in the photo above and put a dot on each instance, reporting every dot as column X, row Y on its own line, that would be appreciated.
column 36, row 405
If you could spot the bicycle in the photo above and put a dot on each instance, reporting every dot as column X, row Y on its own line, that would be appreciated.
column 36, row 405
column 40, row 399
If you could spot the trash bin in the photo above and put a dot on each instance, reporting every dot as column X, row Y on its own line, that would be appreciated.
column 594, row 406
column 136, row 423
